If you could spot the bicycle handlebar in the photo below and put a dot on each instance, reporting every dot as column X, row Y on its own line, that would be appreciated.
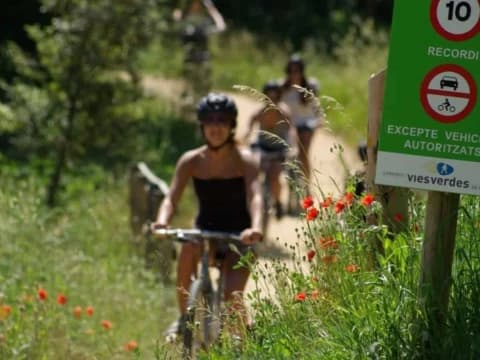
column 191, row 235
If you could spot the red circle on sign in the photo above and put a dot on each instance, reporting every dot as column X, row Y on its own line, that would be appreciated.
column 424, row 90
column 448, row 35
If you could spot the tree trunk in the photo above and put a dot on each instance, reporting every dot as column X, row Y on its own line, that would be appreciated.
column 62, row 154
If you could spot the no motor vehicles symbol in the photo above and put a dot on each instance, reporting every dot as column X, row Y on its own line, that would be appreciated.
column 455, row 20
column 448, row 93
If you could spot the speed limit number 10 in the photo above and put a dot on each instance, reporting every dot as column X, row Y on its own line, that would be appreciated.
column 455, row 20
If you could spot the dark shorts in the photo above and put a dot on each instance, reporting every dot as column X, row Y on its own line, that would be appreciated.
column 307, row 125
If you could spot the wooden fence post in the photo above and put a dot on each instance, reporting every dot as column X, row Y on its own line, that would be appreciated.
column 146, row 191
column 394, row 200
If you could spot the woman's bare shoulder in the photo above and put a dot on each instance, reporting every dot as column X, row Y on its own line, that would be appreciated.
column 191, row 156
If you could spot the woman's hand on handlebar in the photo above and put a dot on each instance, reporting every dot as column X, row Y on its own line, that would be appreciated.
column 251, row 236
column 155, row 226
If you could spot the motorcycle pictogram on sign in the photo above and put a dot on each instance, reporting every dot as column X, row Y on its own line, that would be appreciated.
column 448, row 93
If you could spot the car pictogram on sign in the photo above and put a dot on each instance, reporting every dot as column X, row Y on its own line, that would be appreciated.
column 448, row 93
column 449, row 81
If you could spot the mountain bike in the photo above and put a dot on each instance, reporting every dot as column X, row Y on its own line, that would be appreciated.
column 267, row 160
column 203, row 322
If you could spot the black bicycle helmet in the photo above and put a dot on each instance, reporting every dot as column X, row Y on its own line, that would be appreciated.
column 217, row 102
column 297, row 60
column 271, row 85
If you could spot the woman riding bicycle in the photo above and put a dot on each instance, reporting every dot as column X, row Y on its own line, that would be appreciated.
column 196, row 22
column 226, row 186
column 276, row 138
column 304, row 112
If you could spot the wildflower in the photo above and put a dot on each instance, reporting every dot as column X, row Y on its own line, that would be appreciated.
column 315, row 295
column 131, row 345
column 351, row 268
column 107, row 325
column 312, row 214
column 61, row 299
column 398, row 217
column 367, row 200
column 328, row 243
column 348, row 198
column 327, row 202
column 77, row 311
column 329, row 259
column 89, row 310
column 5, row 310
column 310, row 254
column 339, row 206
column 42, row 294
column 301, row 296
column 27, row 298
column 89, row 331
column 307, row 202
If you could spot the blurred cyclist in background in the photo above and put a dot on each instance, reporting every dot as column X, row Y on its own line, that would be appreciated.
column 197, row 21
column 276, row 138
column 305, row 113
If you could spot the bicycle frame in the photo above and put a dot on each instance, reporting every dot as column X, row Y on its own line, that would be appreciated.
column 202, row 288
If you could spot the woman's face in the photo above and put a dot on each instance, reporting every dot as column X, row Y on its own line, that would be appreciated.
column 217, row 128
column 294, row 74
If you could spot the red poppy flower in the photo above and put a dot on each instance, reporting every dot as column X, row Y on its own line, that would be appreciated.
column 5, row 310
column 351, row 268
column 42, row 294
column 312, row 214
column 367, row 200
column 339, row 206
column 107, row 325
column 327, row 202
column 348, row 198
column 301, row 296
column 307, row 202
column 398, row 217
column 131, row 345
column 329, row 259
column 328, row 243
column 89, row 310
column 310, row 254
column 77, row 311
column 61, row 299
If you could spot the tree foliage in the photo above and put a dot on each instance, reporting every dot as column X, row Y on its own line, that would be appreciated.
column 78, row 95
column 325, row 22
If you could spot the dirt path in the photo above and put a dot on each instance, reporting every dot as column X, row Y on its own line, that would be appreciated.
column 328, row 173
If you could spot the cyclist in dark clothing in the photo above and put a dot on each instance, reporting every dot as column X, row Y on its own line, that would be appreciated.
column 228, row 194
column 196, row 23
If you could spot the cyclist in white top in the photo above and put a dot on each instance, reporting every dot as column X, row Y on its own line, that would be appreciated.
column 305, row 113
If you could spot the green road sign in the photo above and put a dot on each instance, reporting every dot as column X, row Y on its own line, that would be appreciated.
column 430, row 133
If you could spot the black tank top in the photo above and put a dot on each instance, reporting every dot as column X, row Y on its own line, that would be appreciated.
column 222, row 204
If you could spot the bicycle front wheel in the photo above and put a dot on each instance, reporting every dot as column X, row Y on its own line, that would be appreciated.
column 197, row 335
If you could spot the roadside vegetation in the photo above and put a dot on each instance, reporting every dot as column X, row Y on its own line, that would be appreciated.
column 73, row 286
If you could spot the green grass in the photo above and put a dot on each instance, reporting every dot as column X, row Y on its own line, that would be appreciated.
column 84, row 249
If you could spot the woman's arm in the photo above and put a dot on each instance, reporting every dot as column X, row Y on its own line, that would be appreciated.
column 180, row 179
column 215, row 15
column 254, row 196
